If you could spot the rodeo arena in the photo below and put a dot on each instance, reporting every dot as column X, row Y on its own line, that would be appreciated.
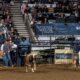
column 39, row 39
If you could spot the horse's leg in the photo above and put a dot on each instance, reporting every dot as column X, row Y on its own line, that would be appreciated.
column 32, row 69
column 34, row 66
column 26, row 63
column 26, row 68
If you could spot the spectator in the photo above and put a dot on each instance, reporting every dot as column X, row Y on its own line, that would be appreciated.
column 7, row 1
column 11, row 32
column 24, row 48
column 51, row 10
column 2, row 23
column 16, row 39
column 23, row 7
column 26, row 11
column 6, row 49
column 8, row 22
column 32, row 22
column 13, row 52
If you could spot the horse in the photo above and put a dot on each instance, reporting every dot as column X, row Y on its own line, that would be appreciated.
column 30, row 61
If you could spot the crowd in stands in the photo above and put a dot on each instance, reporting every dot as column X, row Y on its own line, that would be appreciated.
column 57, row 10
column 5, row 21
column 10, row 41
column 43, row 12
column 41, row 1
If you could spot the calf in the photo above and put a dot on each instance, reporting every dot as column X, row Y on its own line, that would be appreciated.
column 31, row 62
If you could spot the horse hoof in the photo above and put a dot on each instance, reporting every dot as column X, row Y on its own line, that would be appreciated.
column 32, row 70
column 35, row 69
column 26, row 71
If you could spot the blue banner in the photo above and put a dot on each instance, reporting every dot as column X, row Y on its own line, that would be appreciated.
column 58, row 29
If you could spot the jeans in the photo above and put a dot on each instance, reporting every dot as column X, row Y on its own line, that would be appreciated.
column 7, row 60
column 18, row 61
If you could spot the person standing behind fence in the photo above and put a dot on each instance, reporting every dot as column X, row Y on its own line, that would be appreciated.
column 25, row 49
column 13, row 52
column 75, row 61
column 6, row 49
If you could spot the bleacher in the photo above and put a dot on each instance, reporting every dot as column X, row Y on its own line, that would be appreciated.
column 58, row 18
column 5, row 21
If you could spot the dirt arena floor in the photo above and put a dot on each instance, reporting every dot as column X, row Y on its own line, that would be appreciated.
column 44, row 72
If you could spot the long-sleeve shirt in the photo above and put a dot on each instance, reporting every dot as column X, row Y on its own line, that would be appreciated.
column 6, row 48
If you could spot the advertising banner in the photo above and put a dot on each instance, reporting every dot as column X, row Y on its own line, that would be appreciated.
column 63, row 56
column 57, row 29
column 79, row 57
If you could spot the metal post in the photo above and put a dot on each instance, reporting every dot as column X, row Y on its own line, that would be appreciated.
column 50, row 52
